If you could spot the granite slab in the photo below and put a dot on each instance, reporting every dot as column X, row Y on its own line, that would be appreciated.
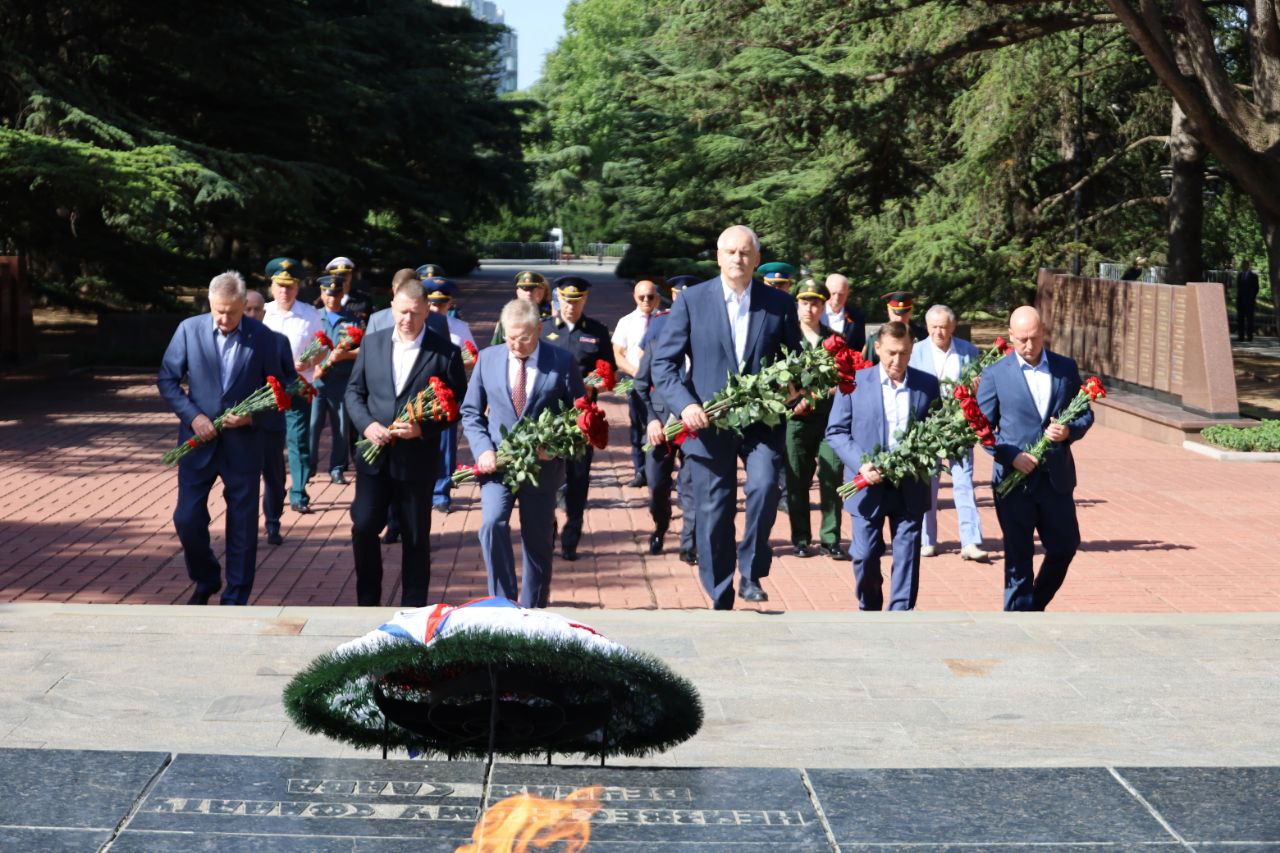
column 1213, row 804
column 212, row 801
column 982, row 806
column 60, row 789
column 680, row 809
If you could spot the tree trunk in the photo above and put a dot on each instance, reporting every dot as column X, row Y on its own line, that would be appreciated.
column 1186, row 202
column 1271, row 235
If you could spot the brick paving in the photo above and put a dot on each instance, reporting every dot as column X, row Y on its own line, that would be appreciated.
column 85, row 516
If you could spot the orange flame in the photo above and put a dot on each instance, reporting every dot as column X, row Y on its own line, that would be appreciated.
column 513, row 824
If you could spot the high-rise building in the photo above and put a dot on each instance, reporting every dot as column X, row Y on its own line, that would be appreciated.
column 491, row 13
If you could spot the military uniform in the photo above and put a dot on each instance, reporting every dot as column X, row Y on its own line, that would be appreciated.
column 807, row 450
column 900, row 303
column 588, row 342
column 526, row 280
column 356, row 301
column 778, row 275
column 331, row 388
column 441, row 290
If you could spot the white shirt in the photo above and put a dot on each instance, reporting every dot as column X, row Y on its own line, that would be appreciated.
column 835, row 319
column 530, row 371
column 897, row 406
column 738, row 308
column 1039, row 382
column 946, row 363
column 299, row 324
column 403, row 355
column 629, row 332
column 459, row 331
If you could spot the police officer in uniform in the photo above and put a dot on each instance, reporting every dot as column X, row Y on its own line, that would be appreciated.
column 900, row 304
column 660, row 461
column 588, row 341
column 331, row 386
column 533, row 287
column 355, row 300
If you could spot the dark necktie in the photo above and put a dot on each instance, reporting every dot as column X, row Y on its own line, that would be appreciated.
column 517, row 390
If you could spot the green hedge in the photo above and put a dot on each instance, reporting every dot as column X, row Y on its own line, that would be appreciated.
column 1262, row 439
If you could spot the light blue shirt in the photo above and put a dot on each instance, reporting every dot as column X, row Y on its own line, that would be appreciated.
column 228, row 347
column 897, row 407
column 738, row 307
column 1039, row 382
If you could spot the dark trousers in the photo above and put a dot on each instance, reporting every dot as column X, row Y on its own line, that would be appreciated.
column 867, row 546
column 272, row 478
column 577, row 481
column 191, row 521
column 808, row 452
column 1246, row 309
column 335, row 411
column 1034, row 508
column 715, row 480
column 448, row 458
column 659, row 464
column 297, row 431
column 639, row 419
column 376, row 494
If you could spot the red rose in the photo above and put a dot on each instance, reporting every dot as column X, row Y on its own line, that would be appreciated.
column 583, row 403
column 1002, row 345
column 835, row 345
column 593, row 425
column 962, row 393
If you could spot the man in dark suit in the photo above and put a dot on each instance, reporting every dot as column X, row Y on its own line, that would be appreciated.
column 394, row 365
column 1246, row 301
column 1020, row 396
column 331, row 387
column 587, row 340
column 887, row 400
column 517, row 380
column 272, row 426
column 223, row 357
column 740, row 324
column 842, row 316
column 660, row 461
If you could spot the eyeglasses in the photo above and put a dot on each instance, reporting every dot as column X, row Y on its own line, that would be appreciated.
column 647, row 296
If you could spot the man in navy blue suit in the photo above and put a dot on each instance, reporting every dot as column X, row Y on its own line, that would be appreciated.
column 223, row 357
column 1020, row 396
column 510, row 382
column 887, row 400
column 740, row 324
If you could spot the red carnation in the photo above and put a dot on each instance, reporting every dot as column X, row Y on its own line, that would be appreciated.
column 447, row 404
column 603, row 376
column 1093, row 387
column 469, row 353
column 283, row 401
column 193, row 442
column 355, row 334
column 324, row 340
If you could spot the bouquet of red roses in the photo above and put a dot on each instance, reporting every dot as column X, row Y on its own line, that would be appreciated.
column 347, row 341
column 469, row 353
column 433, row 403
column 273, row 395
column 603, row 378
column 565, row 433
column 1091, row 390
column 320, row 343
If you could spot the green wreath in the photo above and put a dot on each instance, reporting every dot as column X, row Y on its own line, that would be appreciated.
column 480, row 692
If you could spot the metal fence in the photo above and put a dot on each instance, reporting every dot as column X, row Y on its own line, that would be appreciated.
column 519, row 251
column 600, row 251
column 1157, row 275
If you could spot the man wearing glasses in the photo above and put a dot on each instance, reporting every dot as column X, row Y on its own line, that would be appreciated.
column 627, row 351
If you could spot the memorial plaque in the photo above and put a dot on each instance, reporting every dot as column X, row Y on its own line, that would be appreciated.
column 1178, row 345
column 435, row 804
column 1146, row 337
column 1164, row 336
column 61, row 789
column 1214, row 805
column 690, row 809
column 971, row 807
column 1132, row 334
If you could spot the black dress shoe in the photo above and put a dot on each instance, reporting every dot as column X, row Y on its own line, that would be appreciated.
column 390, row 538
column 803, row 551
column 638, row 481
column 337, row 478
column 199, row 597
column 443, row 509
column 569, row 552
column 655, row 543
column 689, row 556
column 835, row 552
column 274, row 537
column 301, row 509
column 751, row 591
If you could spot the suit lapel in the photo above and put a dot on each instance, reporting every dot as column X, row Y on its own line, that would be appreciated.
column 542, row 382
column 247, row 342
column 208, row 349
column 418, row 364
column 755, row 318
column 715, row 299
column 1057, row 402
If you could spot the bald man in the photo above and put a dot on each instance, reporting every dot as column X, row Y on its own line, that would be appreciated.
column 1020, row 395
column 730, row 324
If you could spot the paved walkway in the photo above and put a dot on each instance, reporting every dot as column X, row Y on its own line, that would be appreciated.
column 85, row 512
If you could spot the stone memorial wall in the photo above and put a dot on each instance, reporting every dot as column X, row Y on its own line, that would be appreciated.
column 1169, row 342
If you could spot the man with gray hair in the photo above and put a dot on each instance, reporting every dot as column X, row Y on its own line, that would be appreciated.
column 222, row 357
column 945, row 356
column 740, row 325
column 517, row 380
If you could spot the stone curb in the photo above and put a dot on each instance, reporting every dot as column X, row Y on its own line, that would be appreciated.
column 1228, row 455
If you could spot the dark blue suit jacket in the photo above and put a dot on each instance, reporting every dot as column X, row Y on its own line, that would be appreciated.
column 487, row 409
column 698, row 328
column 1007, row 402
column 857, row 426
column 192, row 357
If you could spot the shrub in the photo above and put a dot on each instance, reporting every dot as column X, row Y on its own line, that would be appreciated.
column 1264, row 438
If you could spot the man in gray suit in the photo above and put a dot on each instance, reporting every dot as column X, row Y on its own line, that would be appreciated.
column 945, row 357
column 517, row 380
